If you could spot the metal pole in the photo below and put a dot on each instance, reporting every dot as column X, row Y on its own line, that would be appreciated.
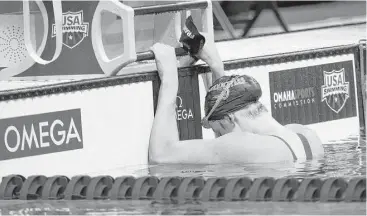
column 170, row 7
column 149, row 55
column 362, row 57
column 223, row 20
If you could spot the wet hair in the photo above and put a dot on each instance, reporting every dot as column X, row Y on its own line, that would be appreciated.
column 251, row 111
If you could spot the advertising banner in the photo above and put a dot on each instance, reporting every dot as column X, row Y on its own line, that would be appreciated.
column 313, row 94
column 40, row 134
column 188, row 113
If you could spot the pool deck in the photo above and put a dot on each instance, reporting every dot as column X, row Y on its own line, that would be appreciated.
column 299, row 17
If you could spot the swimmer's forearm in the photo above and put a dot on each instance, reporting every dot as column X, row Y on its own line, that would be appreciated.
column 164, row 131
column 209, row 54
column 217, row 69
column 209, row 78
column 216, row 63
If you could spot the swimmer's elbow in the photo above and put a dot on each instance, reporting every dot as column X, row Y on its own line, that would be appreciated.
column 159, row 152
column 153, row 159
column 166, row 151
column 163, row 157
column 185, row 152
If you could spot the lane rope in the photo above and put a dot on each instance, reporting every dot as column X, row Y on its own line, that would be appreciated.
column 183, row 189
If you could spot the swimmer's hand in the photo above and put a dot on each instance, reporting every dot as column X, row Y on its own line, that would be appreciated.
column 166, row 62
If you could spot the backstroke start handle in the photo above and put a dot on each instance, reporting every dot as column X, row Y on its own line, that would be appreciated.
column 149, row 55
column 33, row 52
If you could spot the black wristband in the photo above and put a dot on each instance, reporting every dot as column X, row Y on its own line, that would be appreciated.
column 191, row 39
column 195, row 58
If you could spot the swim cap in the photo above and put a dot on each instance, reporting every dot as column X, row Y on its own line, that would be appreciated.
column 229, row 94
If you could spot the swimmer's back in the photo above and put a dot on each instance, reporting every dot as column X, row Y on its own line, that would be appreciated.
column 295, row 142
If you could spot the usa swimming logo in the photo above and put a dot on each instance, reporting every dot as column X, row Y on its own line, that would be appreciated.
column 74, row 29
column 335, row 91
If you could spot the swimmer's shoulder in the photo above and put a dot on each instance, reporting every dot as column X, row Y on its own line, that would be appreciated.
column 311, row 136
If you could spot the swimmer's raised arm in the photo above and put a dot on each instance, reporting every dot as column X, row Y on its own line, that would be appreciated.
column 209, row 54
column 164, row 144
column 164, row 130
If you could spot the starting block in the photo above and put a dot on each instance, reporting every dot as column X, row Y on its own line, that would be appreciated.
column 71, row 44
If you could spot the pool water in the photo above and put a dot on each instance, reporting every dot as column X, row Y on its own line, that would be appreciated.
column 198, row 208
column 345, row 158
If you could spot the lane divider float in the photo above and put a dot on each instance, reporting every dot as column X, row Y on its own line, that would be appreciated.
column 183, row 189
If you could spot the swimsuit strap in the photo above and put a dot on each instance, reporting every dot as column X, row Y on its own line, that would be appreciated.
column 294, row 155
column 306, row 146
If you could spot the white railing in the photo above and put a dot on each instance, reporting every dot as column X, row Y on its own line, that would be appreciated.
column 36, row 55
